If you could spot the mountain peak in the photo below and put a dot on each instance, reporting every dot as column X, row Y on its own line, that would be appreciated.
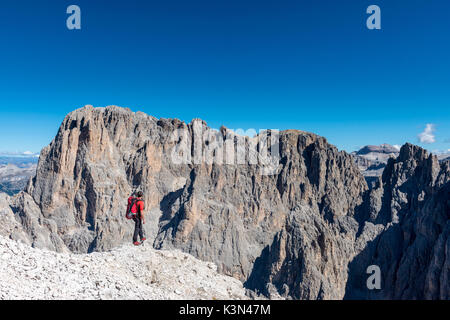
column 384, row 149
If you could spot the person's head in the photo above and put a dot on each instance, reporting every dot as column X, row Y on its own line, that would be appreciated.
column 139, row 194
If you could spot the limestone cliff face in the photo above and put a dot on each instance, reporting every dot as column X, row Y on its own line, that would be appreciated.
column 86, row 174
column 233, row 215
column 292, row 231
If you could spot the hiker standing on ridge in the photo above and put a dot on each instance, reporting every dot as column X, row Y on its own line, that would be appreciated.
column 135, row 211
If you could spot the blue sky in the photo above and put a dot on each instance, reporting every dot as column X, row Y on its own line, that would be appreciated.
column 309, row 65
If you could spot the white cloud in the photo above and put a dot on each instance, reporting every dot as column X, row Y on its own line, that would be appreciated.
column 427, row 135
column 396, row 146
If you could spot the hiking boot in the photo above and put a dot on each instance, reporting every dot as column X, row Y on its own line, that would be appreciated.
column 143, row 239
column 136, row 243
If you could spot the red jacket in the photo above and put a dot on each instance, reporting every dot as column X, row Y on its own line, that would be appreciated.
column 137, row 207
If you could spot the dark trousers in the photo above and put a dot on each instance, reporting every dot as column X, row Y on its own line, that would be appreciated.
column 138, row 229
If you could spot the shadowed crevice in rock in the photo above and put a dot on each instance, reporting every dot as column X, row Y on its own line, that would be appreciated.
column 173, row 211
column 260, row 274
column 170, row 220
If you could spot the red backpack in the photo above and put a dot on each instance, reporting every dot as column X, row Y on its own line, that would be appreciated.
column 132, row 208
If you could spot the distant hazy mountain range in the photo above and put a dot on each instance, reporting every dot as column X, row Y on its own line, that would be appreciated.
column 372, row 160
column 15, row 171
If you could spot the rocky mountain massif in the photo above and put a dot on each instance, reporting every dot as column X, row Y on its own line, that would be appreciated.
column 308, row 230
column 412, row 202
